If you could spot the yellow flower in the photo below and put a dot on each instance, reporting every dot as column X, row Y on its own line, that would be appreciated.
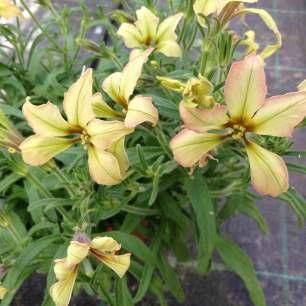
column 8, row 9
column 147, row 31
column 196, row 92
column 66, row 269
column 247, row 112
column 120, row 86
column 97, row 136
column 3, row 292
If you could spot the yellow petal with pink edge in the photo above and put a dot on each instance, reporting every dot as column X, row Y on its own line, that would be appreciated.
column 118, row 263
column 203, row 120
column 245, row 88
column 190, row 147
column 104, row 167
column 104, row 133
column 61, row 291
column 269, row 173
column 37, row 150
column 105, row 244
column 147, row 24
column 46, row 119
column 131, row 35
column 118, row 150
column 76, row 252
column 77, row 100
column 141, row 109
column 280, row 115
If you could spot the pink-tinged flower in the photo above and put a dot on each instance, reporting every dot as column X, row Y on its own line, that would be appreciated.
column 54, row 134
column 247, row 112
column 66, row 269
column 147, row 32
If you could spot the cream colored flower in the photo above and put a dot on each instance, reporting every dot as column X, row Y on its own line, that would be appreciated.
column 97, row 136
column 8, row 9
column 3, row 292
column 147, row 32
column 103, row 248
column 247, row 112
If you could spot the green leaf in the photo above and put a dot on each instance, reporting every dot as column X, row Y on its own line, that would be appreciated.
column 171, row 279
column 166, row 107
column 203, row 208
column 135, row 246
column 8, row 181
column 241, row 264
column 296, row 168
column 49, row 203
column 24, row 265
column 123, row 295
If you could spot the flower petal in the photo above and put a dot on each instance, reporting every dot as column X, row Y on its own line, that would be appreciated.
column 8, row 9
column 268, row 171
column 104, row 133
column 76, row 252
column 120, row 85
column 118, row 263
column 141, row 109
column 131, row 35
column 61, row 269
column 190, row 147
column 102, row 109
column 147, row 24
column 77, row 100
column 169, row 48
column 61, row 291
column 3, row 292
column 37, row 150
column 46, row 119
column 105, row 244
column 280, row 115
column 118, row 150
column 203, row 120
column 166, row 29
column 245, row 88
column 103, row 167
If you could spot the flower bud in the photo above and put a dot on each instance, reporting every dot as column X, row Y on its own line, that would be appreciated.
column 171, row 84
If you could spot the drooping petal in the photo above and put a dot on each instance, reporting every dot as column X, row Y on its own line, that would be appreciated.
column 61, row 291
column 169, row 48
column 76, row 252
column 104, row 167
column 105, row 244
column 147, row 24
column 3, row 292
column 166, row 29
column 37, row 150
column 268, row 171
column 46, row 119
column 141, row 109
column 302, row 86
column 104, row 133
column 77, row 100
column 280, row 115
column 203, row 120
column 61, row 269
column 102, row 109
column 189, row 147
column 118, row 263
column 245, row 88
column 131, row 35
column 118, row 150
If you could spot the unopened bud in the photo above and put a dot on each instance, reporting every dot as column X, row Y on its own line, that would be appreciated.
column 171, row 84
column 88, row 45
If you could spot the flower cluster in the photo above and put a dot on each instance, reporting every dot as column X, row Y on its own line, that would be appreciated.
column 104, row 249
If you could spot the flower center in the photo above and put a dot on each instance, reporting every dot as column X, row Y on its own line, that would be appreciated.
column 85, row 139
column 238, row 131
